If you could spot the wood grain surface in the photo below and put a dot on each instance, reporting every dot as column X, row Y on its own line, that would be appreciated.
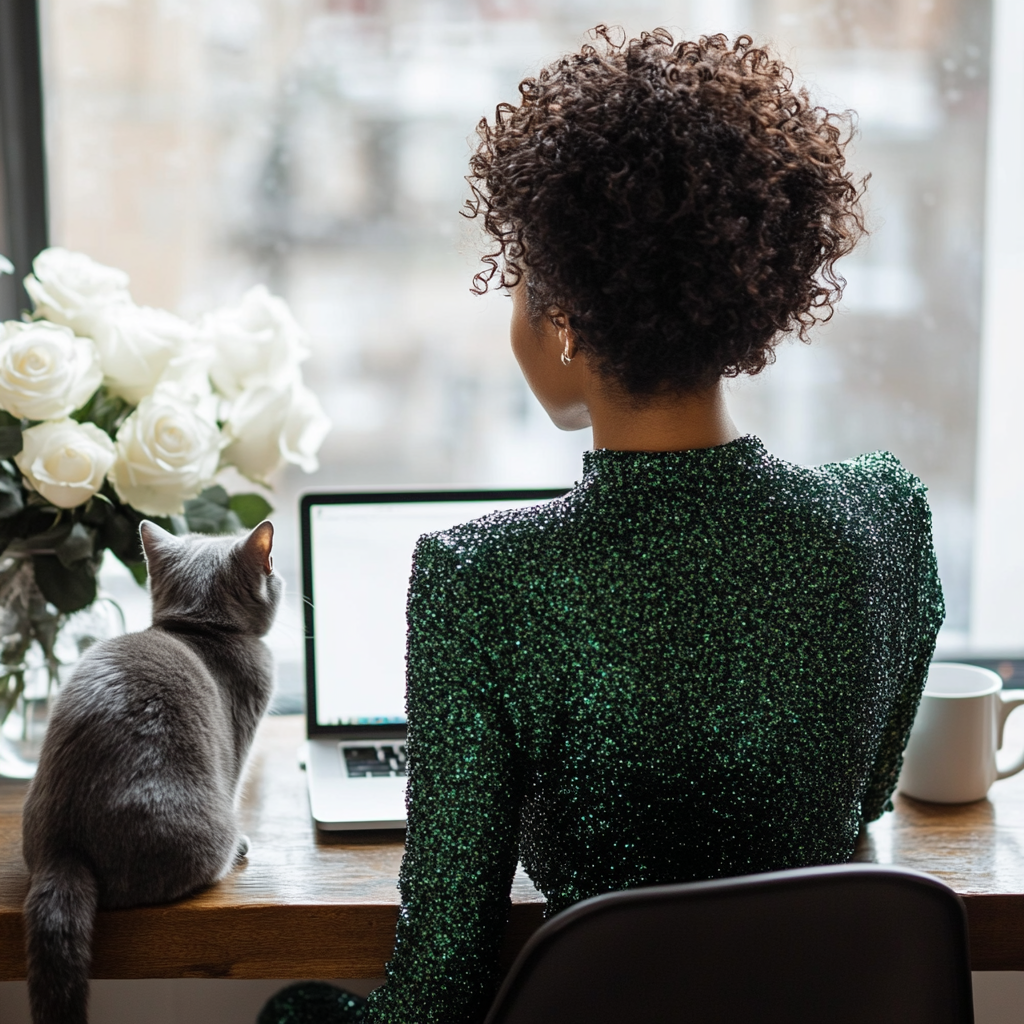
column 308, row 904
column 305, row 904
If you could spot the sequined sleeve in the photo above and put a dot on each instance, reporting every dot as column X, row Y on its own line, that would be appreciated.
column 915, row 642
column 463, row 806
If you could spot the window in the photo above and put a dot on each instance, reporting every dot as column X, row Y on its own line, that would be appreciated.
column 319, row 146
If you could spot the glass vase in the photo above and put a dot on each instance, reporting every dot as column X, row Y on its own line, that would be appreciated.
column 39, row 649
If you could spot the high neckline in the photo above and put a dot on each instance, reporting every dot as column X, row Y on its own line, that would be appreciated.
column 608, row 464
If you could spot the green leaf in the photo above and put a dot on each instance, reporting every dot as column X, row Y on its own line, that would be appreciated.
column 10, row 440
column 251, row 509
column 8, row 532
column 70, row 589
column 76, row 546
column 45, row 538
column 7, row 420
column 107, row 411
column 11, row 500
column 95, row 513
column 205, row 517
column 216, row 494
column 120, row 533
column 209, row 513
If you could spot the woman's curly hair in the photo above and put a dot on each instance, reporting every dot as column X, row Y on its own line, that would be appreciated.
column 681, row 204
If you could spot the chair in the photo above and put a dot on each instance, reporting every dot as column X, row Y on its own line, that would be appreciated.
column 827, row 945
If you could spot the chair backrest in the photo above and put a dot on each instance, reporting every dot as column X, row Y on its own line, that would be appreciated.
column 829, row 945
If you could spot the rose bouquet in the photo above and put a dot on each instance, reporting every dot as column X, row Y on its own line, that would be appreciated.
column 112, row 412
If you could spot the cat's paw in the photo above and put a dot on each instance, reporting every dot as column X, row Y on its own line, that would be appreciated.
column 243, row 849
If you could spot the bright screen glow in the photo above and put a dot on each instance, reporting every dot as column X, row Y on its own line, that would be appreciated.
column 362, row 558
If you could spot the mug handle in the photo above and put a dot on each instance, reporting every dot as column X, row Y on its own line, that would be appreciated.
column 1008, row 700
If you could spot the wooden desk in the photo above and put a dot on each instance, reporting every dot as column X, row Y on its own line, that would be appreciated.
column 306, row 905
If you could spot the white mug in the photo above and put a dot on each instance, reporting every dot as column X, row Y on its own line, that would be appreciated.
column 951, row 755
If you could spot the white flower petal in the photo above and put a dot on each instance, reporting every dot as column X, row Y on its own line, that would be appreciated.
column 71, row 289
column 255, row 343
column 136, row 345
column 254, row 429
column 46, row 371
column 304, row 430
column 167, row 452
column 65, row 461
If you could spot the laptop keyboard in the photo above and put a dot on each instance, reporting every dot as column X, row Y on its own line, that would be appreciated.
column 385, row 759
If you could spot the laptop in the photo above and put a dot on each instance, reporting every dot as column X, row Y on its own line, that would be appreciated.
column 356, row 560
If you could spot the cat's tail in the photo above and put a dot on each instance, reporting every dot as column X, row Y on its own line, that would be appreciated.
column 60, row 911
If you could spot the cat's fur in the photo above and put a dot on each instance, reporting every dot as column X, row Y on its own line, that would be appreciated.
column 134, row 799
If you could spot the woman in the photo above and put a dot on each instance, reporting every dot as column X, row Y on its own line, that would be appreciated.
column 702, row 661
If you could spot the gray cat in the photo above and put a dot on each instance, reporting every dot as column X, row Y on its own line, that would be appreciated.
column 134, row 799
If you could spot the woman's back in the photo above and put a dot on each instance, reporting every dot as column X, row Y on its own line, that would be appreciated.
column 711, row 650
column 695, row 664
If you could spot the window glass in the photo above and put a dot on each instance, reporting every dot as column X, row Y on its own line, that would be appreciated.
column 319, row 146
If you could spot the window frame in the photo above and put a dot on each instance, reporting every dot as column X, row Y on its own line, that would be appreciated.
column 24, row 223
column 997, row 596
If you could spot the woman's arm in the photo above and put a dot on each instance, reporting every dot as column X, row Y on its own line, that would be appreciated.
column 920, row 629
column 463, row 805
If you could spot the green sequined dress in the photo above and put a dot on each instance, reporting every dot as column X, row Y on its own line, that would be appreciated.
column 695, row 664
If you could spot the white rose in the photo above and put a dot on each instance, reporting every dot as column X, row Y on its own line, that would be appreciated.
column 136, row 344
column 45, row 370
column 167, row 452
column 70, row 288
column 65, row 461
column 267, row 426
column 257, row 342
column 188, row 373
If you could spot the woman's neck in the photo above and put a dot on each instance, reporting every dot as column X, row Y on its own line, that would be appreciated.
column 698, row 420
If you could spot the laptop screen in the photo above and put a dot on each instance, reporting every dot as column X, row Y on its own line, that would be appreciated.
column 357, row 557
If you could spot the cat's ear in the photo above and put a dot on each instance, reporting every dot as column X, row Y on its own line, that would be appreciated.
column 256, row 547
column 156, row 541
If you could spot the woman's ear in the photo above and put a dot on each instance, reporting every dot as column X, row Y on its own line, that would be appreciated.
column 257, row 546
column 558, row 319
column 566, row 335
column 156, row 542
